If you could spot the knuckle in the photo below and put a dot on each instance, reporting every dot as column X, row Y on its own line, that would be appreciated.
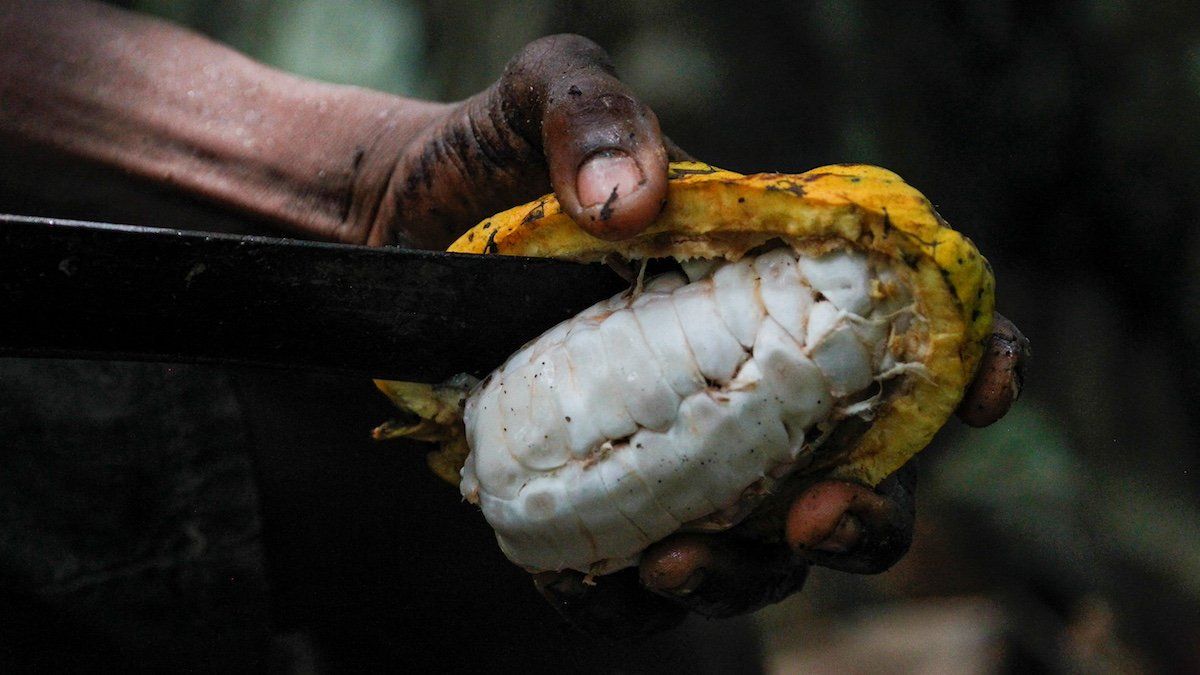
column 565, row 76
column 622, row 105
column 552, row 54
column 606, row 119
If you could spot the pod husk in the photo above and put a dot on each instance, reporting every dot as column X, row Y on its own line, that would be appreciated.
column 712, row 213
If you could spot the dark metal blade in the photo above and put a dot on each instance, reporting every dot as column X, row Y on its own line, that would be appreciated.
column 89, row 290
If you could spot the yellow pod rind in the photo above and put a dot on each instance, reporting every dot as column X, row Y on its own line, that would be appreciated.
column 711, row 212
column 435, row 416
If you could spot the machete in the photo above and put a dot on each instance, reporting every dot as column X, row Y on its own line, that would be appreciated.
column 71, row 289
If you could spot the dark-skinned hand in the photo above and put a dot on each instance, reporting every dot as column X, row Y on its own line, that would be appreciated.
column 560, row 119
column 129, row 103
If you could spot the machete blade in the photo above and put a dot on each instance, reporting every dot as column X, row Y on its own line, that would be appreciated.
column 74, row 289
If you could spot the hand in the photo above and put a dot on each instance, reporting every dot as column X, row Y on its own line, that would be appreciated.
column 345, row 164
column 835, row 524
column 557, row 118
column 236, row 145
column 839, row 525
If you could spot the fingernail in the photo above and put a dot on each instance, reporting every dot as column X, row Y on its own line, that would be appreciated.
column 606, row 176
column 844, row 537
column 689, row 586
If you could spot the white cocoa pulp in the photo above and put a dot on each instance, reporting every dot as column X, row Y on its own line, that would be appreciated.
column 657, row 409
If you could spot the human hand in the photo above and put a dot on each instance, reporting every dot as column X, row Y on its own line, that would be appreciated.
column 557, row 118
column 835, row 524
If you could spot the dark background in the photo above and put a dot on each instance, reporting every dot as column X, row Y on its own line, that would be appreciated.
column 1063, row 137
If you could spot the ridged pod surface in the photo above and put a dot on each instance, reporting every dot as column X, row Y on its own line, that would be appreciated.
column 813, row 298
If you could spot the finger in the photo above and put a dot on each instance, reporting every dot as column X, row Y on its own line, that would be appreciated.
column 613, row 606
column 852, row 528
column 557, row 118
column 719, row 575
column 604, row 149
column 1000, row 376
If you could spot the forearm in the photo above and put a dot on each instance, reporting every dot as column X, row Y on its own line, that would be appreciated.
column 142, row 101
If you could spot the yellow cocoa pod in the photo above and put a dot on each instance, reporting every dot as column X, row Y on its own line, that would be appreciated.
column 712, row 213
